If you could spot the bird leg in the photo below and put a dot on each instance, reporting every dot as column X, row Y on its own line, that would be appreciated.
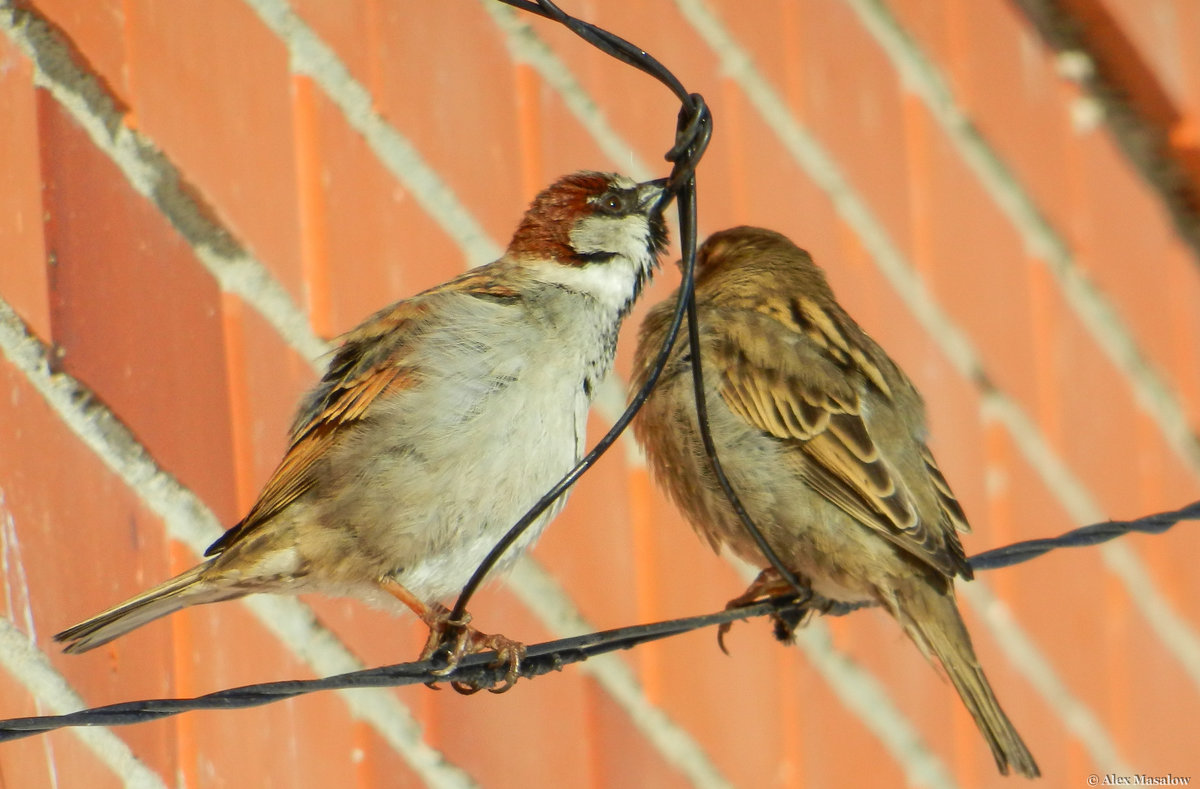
column 459, row 639
column 770, row 583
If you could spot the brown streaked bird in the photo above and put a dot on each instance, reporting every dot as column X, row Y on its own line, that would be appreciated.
column 823, row 439
column 439, row 422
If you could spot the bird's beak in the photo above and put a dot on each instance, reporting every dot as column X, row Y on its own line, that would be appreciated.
column 653, row 196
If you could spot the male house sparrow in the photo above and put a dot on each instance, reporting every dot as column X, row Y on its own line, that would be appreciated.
column 440, row 420
column 823, row 439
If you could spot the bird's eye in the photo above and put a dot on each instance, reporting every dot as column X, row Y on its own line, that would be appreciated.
column 612, row 203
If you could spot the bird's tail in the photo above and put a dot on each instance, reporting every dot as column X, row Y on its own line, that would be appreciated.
column 932, row 620
column 185, row 589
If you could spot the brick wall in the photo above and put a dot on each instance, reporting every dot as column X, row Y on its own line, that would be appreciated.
column 194, row 194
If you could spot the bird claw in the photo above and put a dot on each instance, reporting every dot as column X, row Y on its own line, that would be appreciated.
column 769, row 584
column 466, row 640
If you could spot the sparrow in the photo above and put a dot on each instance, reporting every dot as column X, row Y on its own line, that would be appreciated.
column 822, row 437
column 439, row 422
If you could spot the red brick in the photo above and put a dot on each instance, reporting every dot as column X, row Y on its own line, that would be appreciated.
column 1126, row 244
column 1095, row 397
column 639, row 109
column 649, row 513
column 734, row 719
column 916, row 686
column 244, row 161
column 23, row 275
column 302, row 742
column 1141, row 49
column 855, row 108
column 589, row 547
column 1184, row 294
column 379, row 638
column 553, row 143
column 28, row 762
column 1189, row 54
column 50, row 760
column 835, row 747
column 97, row 32
column 224, row 646
column 765, row 185
column 765, row 30
column 129, row 303
column 982, row 285
column 533, row 735
column 379, row 765
column 934, row 28
column 381, row 246
column 1165, row 482
column 1159, row 696
column 620, row 754
column 1050, row 599
column 457, row 111
column 78, row 541
column 1009, row 85
column 351, row 31
column 1140, row 681
column 267, row 378
column 1056, row 598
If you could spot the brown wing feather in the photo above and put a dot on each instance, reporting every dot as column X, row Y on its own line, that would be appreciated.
column 952, row 511
column 769, row 377
column 372, row 361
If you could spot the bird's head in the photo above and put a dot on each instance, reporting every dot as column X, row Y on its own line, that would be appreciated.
column 596, row 233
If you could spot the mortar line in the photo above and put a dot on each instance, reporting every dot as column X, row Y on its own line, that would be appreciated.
column 25, row 663
column 525, row 46
column 548, row 601
column 865, row 696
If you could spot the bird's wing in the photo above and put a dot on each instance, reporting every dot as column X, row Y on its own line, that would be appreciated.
column 791, row 369
column 372, row 361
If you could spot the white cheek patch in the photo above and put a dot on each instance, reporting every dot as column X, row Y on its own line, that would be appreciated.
column 610, row 282
column 624, row 243
column 626, row 236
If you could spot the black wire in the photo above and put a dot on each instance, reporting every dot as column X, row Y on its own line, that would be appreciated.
column 476, row 670
column 609, row 43
column 552, row 655
column 710, row 449
column 1083, row 536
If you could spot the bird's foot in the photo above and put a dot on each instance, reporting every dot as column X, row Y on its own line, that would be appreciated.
column 457, row 639
column 768, row 584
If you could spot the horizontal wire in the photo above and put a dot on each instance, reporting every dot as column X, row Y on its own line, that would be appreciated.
column 478, row 671
column 1083, row 536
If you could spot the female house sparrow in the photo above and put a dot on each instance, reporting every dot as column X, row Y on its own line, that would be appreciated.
column 823, row 439
column 439, row 422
